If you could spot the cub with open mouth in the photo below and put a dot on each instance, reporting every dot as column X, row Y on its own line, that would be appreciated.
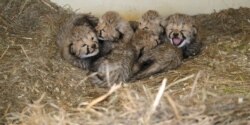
column 182, row 32
column 155, row 55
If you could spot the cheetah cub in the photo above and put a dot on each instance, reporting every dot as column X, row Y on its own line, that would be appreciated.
column 112, row 27
column 115, row 67
column 152, row 21
column 182, row 33
column 160, row 57
column 120, row 65
column 77, row 40
column 144, row 40
column 148, row 34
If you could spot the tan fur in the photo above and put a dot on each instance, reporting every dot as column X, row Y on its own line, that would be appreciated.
column 155, row 55
column 162, row 58
column 77, row 41
column 84, row 42
column 115, row 67
column 144, row 40
column 152, row 21
column 182, row 32
column 153, row 58
column 113, row 27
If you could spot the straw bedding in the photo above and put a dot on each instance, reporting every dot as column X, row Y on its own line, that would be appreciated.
column 38, row 87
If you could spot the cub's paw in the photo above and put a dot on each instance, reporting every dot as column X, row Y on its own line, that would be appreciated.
column 192, row 49
column 97, row 79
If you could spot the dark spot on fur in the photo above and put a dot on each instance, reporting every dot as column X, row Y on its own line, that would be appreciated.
column 146, row 64
column 99, row 77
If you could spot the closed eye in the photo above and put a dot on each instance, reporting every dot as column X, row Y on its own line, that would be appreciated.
column 84, row 45
column 170, row 30
column 185, row 31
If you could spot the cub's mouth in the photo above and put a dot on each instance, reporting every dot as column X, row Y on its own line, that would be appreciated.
column 177, row 41
column 93, row 53
column 101, row 38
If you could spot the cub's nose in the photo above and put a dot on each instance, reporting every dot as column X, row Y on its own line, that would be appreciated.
column 175, row 34
column 94, row 46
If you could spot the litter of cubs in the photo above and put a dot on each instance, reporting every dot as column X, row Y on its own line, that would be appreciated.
column 58, row 66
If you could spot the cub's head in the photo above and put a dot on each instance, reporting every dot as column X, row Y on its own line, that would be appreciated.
column 144, row 40
column 84, row 42
column 108, row 26
column 148, row 38
column 181, row 30
column 151, row 20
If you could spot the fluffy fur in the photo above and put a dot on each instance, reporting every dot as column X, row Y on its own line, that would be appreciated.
column 162, row 58
column 152, row 21
column 144, row 40
column 112, row 27
column 115, row 67
column 153, row 57
column 77, row 40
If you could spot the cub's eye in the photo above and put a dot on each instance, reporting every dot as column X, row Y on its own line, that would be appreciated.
column 84, row 45
column 185, row 31
column 92, row 38
column 170, row 29
column 140, row 23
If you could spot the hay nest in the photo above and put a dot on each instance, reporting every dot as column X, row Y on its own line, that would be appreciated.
column 38, row 87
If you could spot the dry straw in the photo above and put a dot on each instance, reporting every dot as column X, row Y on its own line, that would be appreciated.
column 211, row 88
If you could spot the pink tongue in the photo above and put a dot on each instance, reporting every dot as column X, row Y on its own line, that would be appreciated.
column 176, row 41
